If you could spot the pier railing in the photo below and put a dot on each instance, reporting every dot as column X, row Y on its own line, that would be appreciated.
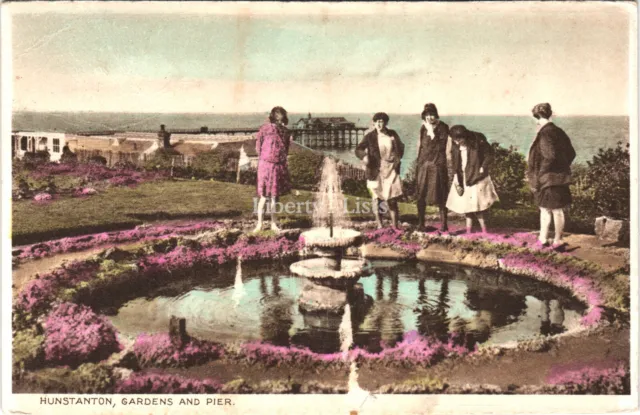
column 329, row 138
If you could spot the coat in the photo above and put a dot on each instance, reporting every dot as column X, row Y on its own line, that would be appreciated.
column 550, row 158
column 434, row 151
column 272, row 143
column 480, row 154
column 369, row 147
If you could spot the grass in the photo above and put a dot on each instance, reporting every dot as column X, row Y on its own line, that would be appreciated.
column 123, row 207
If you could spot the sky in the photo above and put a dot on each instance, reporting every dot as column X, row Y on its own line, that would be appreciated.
column 468, row 58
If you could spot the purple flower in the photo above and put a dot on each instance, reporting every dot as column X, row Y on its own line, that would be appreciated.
column 74, row 334
column 157, row 350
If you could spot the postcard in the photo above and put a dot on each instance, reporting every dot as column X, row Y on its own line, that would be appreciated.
column 319, row 208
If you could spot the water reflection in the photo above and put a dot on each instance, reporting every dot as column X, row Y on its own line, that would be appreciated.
column 272, row 305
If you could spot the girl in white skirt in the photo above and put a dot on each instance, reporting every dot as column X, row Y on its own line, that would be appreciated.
column 472, row 191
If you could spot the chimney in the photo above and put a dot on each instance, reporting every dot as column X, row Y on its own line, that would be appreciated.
column 164, row 137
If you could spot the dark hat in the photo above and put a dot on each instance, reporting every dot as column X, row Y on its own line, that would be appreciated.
column 381, row 116
column 542, row 111
column 459, row 131
column 430, row 109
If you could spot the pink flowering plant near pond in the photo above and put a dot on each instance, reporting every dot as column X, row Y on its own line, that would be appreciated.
column 139, row 234
column 563, row 275
column 166, row 384
column 413, row 350
column 157, row 350
column 74, row 334
column 586, row 379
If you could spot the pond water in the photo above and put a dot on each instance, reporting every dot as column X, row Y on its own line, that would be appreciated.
column 269, row 303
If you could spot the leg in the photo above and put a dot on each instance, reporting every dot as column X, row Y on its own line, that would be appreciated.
column 545, row 221
column 469, row 221
column 274, row 217
column 483, row 225
column 558, row 222
column 422, row 208
column 393, row 212
column 376, row 212
column 261, row 203
column 444, row 212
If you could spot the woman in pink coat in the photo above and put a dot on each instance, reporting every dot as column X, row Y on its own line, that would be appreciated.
column 272, row 146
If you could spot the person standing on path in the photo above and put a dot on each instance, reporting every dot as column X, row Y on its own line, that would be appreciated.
column 272, row 146
column 381, row 150
column 472, row 191
column 432, row 176
column 549, row 174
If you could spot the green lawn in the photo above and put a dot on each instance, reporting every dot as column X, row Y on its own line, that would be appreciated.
column 119, row 208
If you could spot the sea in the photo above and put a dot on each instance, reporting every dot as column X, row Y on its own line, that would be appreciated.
column 588, row 133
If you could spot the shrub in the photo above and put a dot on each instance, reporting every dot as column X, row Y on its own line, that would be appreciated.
column 36, row 158
column 161, row 159
column 74, row 334
column 69, row 158
column 96, row 159
column 28, row 349
column 409, row 185
column 215, row 165
column 305, row 169
column 88, row 378
column 588, row 380
column 152, row 383
column 608, row 177
column 157, row 350
column 507, row 174
column 355, row 187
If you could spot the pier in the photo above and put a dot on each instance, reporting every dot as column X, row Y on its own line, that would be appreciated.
column 329, row 138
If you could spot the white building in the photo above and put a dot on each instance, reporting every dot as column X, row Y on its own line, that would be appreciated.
column 32, row 141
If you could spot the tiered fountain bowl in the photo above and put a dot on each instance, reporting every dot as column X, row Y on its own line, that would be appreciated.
column 331, row 268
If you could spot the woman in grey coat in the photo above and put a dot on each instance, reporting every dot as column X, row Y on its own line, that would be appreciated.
column 549, row 174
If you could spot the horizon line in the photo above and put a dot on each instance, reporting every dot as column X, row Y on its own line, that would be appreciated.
column 320, row 112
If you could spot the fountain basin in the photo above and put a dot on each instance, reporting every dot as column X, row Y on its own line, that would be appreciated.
column 321, row 238
column 317, row 269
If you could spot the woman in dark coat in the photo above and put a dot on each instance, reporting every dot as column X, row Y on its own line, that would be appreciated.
column 472, row 191
column 549, row 174
column 432, row 177
column 382, row 150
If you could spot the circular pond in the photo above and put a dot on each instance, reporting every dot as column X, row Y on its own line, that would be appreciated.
column 269, row 303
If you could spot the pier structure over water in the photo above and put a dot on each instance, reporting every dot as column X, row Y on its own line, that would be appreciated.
column 329, row 138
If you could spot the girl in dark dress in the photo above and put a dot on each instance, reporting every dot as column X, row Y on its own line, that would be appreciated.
column 432, row 177
column 549, row 174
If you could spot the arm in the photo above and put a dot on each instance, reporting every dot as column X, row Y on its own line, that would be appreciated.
column 362, row 147
column 548, row 153
column 489, row 156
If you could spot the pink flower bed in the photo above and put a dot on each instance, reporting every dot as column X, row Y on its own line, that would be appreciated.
column 271, row 355
column 42, row 197
column 412, row 350
column 94, row 172
column 562, row 275
column 139, row 234
column 593, row 380
column 392, row 237
column 74, row 334
column 85, row 191
column 166, row 384
column 182, row 257
column 158, row 351
column 40, row 292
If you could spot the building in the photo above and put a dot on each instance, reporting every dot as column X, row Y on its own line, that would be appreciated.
column 32, row 141
column 323, row 123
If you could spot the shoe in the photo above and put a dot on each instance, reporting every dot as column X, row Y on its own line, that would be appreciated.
column 541, row 245
column 559, row 246
column 258, row 228
column 275, row 228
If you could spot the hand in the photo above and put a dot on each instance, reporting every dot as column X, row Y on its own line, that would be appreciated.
column 459, row 189
column 481, row 170
column 365, row 160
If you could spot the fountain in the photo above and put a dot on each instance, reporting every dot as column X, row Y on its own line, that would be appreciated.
column 330, row 238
